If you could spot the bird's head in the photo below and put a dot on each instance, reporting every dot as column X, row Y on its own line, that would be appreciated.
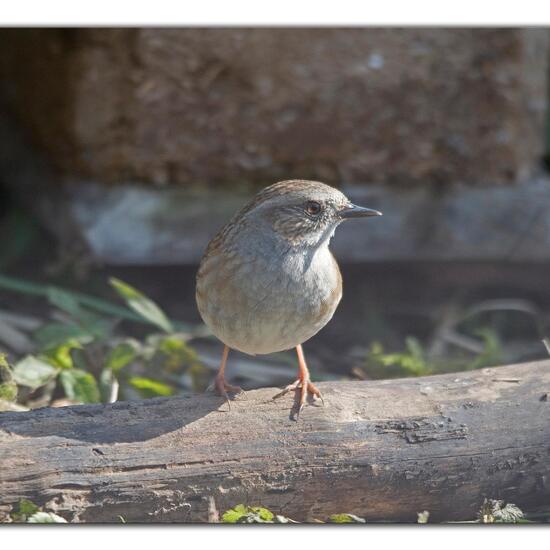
column 303, row 213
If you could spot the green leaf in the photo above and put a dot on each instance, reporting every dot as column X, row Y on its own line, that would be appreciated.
column 235, row 514
column 14, row 284
column 101, row 328
column 33, row 372
column 263, row 513
column 80, row 386
column 174, row 345
column 51, row 335
column 8, row 391
column 177, row 352
column 149, row 387
column 79, row 359
column 46, row 517
column 26, row 508
column 346, row 518
column 412, row 362
column 61, row 356
column 248, row 514
column 492, row 348
column 121, row 355
column 91, row 325
column 142, row 305
column 63, row 300
column 8, row 387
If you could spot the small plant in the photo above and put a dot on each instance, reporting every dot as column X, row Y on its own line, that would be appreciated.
column 25, row 510
column 416, row 361
column 248, row 514
column 411, row 362
column 346, row 518
column 257, row 514
column 253, row 514
column 492, row 350
column 8, row 386
column 496, row 511
column 82, row 356
column 491, row 511
column 29, row 512
column 423, row 517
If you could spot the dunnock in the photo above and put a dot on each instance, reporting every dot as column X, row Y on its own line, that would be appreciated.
column 268, row 281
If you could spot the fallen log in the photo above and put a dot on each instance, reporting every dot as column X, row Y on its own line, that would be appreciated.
column 383, row 450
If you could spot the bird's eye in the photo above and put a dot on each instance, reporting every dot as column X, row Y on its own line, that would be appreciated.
column 313, row 208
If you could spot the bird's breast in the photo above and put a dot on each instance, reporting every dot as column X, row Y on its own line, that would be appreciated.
column 262, row 304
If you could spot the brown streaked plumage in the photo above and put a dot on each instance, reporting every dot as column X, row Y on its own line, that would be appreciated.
column 268, row 281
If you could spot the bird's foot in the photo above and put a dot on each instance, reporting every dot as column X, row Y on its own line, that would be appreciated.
column 305, row 387
column 224, row 389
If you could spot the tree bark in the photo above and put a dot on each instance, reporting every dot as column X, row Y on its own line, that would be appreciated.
column 383, row 450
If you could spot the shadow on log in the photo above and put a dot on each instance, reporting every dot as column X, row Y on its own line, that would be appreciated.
column 383, row 450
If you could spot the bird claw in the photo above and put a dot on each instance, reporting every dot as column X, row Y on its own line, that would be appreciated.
column 305, row 387
column 224, row 389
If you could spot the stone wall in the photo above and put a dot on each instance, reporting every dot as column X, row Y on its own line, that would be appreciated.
column 238, row 106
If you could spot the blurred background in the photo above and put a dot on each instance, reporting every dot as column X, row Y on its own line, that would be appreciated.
column 122, row 151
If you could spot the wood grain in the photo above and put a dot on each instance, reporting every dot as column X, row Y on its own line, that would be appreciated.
column 384, row 450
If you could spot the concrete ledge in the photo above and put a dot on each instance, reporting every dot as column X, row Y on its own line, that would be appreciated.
column 136, row 225
column 132, row 224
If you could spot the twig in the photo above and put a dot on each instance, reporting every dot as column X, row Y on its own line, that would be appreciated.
column 462, row 341
column 512, row 304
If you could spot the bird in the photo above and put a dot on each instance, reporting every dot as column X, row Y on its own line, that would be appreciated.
column 268, row 282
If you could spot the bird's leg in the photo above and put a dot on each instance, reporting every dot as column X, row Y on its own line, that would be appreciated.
column 219, row 382
column 303, row 383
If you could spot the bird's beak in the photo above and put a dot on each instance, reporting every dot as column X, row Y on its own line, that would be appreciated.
column 353, row 211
